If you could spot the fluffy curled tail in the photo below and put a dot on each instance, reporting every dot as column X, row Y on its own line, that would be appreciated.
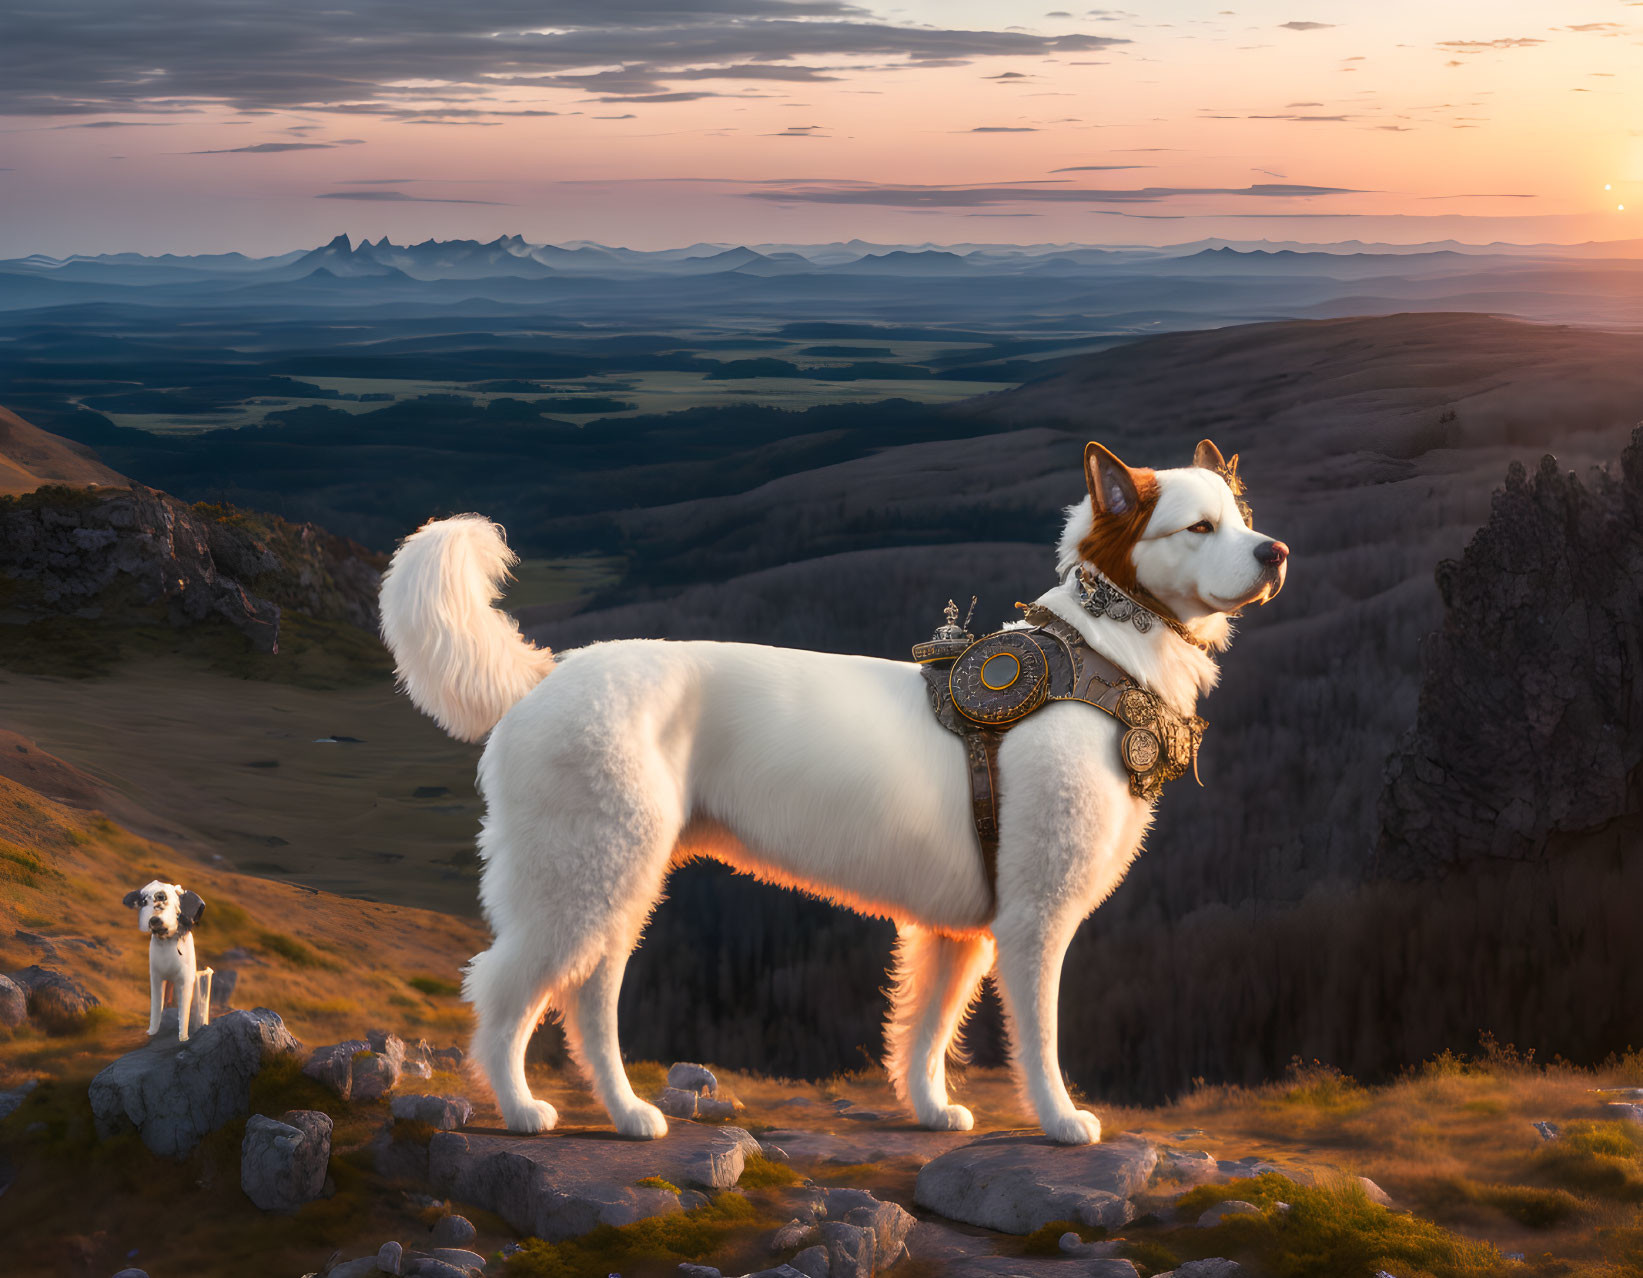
column 461, row 659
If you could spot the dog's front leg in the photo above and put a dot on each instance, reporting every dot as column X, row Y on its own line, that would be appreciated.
column 1032, row 941
column 156, row 999
column 184, row 987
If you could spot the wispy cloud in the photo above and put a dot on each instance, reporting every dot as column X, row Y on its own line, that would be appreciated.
column 1306, row 26
column 1479, row 46
column 1004, row 128
column 1099, row 168
column 395, row 197
column 872, row 193
column 270, row 148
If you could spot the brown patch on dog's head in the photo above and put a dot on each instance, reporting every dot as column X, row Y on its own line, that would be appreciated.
column 1122, row 502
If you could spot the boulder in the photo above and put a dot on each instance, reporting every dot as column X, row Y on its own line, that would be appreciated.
column 677, row 1103
column 446, row 1113
column 364, row 1267
column 1232, row 1207
column 58, row 1002
column 690, row 1077
column 811, row 1262
column 890, row 1226
column 12, row 1098
column 355, row 1070
column 1374, row 1192
column 453, row 1231
column 563, row 1184
column 389, row 1258
column 1016, row 1182
column 420, row 1266
column 459, row 1257
column 174, row 1094
column 1214, row 1267
column 283, row 1162
column 852, row 1251
column 14, row 1003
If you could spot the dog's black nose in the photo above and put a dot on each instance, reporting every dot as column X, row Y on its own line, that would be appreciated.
column 156, row 925
column 1272, row 553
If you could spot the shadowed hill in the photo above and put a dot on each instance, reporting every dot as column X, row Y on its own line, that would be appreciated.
column 29, row 458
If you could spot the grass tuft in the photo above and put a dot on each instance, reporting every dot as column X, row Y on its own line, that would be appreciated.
column 765, row 1173
column 435, row 986
column 685, row 1236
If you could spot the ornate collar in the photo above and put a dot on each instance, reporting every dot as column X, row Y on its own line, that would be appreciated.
column 1100, row 598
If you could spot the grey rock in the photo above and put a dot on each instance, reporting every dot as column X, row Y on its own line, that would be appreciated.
column 1070, row 1244
column 283, row 1162
column 714, row 1110
column 131, row 1273
column 1016, row 1182
column 677, row 1103
column 864, row 1144
column 780, row 1271
column 175, row 1094
column 793, row 1234
column 389, row 1258
column 1628, row 1111
column 57, row 1001
column 563, row 1184
column 1548, row 1131
column 354, row 1070
column 775, row 1153
column 461, row 1257
column 363, row 1267
column 812, row 1263
column 1240, row 1168
column 1374, row 1192
column 890, row 1225
column 446, row 1113
column 1214, row 1267
column 416, row 1069
column 11, row 1099
column 851, row 1249
column 453, row 1231
column 432, row 1267
column 690, row 1077
column 14, row 1003
column 1194, row 1166
column 687, row 1270
column 1232, row 1207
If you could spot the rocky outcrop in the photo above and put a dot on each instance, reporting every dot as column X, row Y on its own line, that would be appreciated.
column 175, row 1094
column 1016, row 1182
column 359, row 1069
column 1530, row 727
column 57, row 1001
column 137, row 555
column 14, row 1003
column 565, row 1184
column 442, row 1113
column 283, row 1161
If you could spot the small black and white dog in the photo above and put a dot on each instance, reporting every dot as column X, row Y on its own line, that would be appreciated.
column 168, row 915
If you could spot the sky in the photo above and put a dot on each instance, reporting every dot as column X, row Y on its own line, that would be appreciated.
column 214, row 125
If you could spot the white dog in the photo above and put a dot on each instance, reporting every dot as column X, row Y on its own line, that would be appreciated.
column 820, row 772
column 167, row 914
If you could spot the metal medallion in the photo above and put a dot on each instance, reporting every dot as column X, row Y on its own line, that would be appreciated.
column 1140, row 749
column 1000, row 678
column 1137, row 707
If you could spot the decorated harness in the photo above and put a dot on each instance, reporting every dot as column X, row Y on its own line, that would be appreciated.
column 981, row 688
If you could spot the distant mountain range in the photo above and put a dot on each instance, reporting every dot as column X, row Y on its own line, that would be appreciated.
column 1125, row 289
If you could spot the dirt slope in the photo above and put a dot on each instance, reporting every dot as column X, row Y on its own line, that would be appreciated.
column 30, row 457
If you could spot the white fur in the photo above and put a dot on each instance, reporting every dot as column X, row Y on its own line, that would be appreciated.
column 170, row 952
column 822, row 772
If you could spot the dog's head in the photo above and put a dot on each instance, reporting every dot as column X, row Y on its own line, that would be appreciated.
column 1183, row 537
column 165, row 909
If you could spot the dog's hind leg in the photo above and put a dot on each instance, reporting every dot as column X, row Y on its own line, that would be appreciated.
column 590, row 1030
column 936, row 981
column 509, row 990
column 182, row 993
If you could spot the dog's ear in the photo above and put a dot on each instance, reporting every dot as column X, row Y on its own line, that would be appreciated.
column 1112, row 484
column 132, row 899
column 191, row 909
column 1208, row 457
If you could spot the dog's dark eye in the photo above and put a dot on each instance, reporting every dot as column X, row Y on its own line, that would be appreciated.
column 1202, row 526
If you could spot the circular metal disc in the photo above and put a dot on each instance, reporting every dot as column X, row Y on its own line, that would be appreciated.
column 1140, row 749
column 1000, row 678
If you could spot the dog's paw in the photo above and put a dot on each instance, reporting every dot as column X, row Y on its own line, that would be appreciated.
column 153, row 1030
column 531, row 1117
column 949, row 1118
column 1077, row 1128
column 642, row 1122
column 182, row 1038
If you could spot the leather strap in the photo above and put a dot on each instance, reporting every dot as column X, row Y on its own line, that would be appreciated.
column 981, row 747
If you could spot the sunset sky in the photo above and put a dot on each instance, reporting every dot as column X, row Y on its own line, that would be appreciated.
column 210, row 125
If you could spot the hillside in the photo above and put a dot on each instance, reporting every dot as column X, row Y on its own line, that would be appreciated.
column 29, row 457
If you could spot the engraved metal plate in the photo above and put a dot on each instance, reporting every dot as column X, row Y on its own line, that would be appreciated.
column 1000, row 678
column 1140, row 749
column 1137, row 708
